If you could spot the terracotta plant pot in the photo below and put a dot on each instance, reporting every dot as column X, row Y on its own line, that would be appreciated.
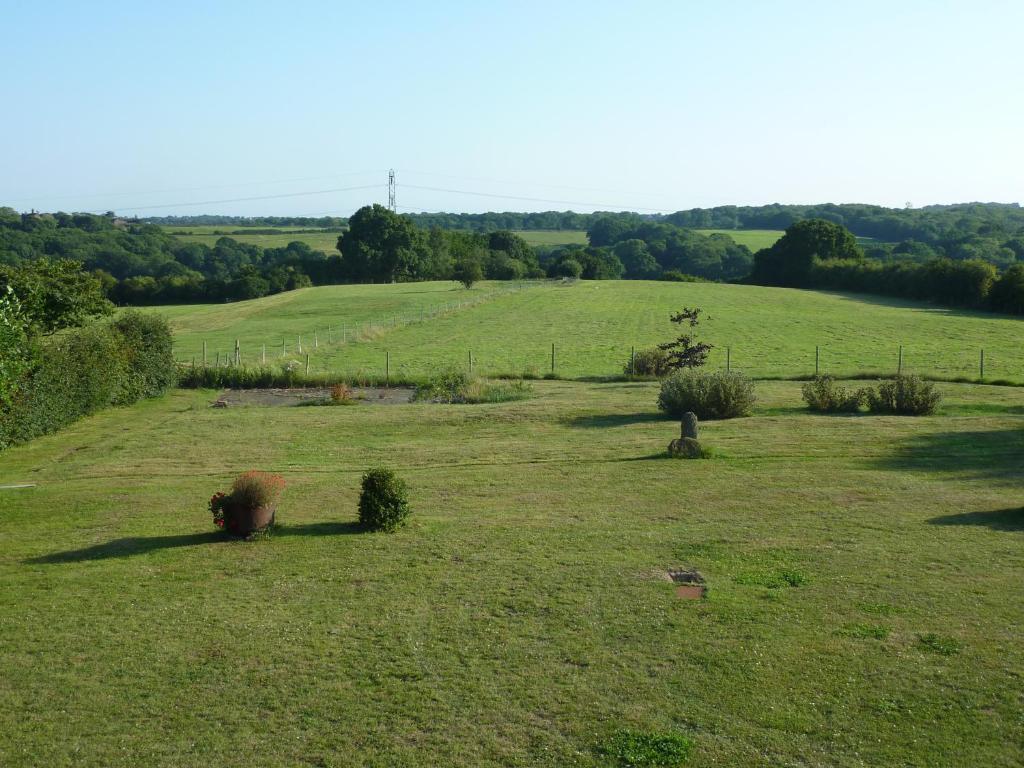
column 243, row 521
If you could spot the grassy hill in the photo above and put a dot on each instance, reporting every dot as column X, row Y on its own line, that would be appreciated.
column 769, row 331
column 864, row 573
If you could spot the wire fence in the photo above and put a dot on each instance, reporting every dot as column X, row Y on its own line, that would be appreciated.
column 327, row 356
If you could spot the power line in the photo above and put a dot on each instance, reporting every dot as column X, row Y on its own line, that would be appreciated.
column 191, row 189
column 520, row 183
column 607, row 206
column 250, row 199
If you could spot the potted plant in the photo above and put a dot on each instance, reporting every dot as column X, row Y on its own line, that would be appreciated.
column 251, row 504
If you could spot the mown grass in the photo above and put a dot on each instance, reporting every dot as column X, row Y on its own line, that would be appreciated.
column 863, row 604
column 769, row 332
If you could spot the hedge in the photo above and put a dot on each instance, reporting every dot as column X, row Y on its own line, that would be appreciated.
column 86, row 369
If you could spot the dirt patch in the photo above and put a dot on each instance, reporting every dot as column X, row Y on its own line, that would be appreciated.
column 690, row 583
column 289, row 397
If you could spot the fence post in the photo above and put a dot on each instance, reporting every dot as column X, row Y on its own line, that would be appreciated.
column 264, row 357
column 238, row 353
column 300, row 345
column 218, row 358
column 815, row 359
column 728, row 359
column 982, row 377
column 632, row 361
column 316, row 341
column 307, row 363
column 284, row 348
column 471, row 362
column 387, row 368
column 552, row 359
column 899, row 365
column 204, row 354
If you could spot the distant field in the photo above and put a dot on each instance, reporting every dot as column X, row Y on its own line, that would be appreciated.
column 754, row 239
column 542, row 237
column 319, row 241
column 770, row 331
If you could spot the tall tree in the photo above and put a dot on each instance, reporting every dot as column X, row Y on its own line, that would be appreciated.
column 380, row 246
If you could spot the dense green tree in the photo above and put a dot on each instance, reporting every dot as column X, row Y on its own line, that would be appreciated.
column 637, row 260
column 790, row 260
column 380, row 247
column 468, row 270
column 55, row 294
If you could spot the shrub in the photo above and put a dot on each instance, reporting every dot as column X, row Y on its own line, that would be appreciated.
column 341, row 393
column 146, row 349
column 452, row 385
column 255, row 489
column 717, row 395
column 822, row 394
column 383, row 505
column 905, row 396
column 83, row 370
column 648, row 362
column 447, row 386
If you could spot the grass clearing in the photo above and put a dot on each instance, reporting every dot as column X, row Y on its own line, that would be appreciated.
column 768, row 332
column 523, row 617
column 327, row 242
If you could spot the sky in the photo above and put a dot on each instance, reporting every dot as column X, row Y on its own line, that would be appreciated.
column 300, row 108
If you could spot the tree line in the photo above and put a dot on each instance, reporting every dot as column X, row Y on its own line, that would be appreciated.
column 820, row 254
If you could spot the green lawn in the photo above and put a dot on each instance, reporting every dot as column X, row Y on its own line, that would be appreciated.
column 543, row 237
column 864, row 574
column 768, row 331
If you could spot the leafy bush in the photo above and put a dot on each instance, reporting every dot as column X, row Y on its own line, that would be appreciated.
column 146, row 348
column 822, row 394
column 710, row 395
column 447, row 386
column 452, row 385
column 648, row 362
column 383, row 502
column 86, row 369
column 640, row 749
column 905, row 396
column 255, row 489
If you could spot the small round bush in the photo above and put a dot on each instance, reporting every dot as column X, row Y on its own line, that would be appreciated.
column 648, row 362
column 383, row 505
column 710, row 395
column 905, row 396
column 822, row 394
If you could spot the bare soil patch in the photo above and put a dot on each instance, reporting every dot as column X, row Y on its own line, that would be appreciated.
column 289, row 397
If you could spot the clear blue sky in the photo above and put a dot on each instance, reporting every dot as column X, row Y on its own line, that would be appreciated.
column 640, row 105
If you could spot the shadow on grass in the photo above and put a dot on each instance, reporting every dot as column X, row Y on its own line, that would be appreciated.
column 603, row 420
column 998, row 520
column 995, row 454
column 141, row 545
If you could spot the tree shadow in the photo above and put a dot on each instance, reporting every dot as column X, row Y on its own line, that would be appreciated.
column 997, row 520
column 140, row 545
column 994, row 454
column 603, row 420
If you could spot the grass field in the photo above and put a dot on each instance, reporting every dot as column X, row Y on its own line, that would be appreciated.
column 318, row 241
column 769, row 331
column 864, row 572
